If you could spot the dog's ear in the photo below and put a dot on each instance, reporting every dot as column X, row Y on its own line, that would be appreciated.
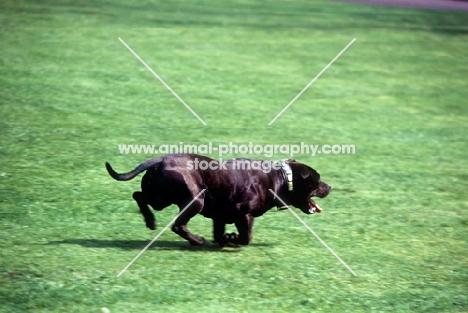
column 307, row 172
column 300, row 171
column 290, row 160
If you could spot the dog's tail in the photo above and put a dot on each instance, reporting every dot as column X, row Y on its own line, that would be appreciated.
column 127, row 176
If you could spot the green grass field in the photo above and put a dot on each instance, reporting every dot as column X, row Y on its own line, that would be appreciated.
column 70, row 92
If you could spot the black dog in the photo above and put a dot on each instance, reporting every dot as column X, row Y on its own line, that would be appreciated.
column 236, row 191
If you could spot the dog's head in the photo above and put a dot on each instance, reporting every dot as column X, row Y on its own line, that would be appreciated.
column 306, row 184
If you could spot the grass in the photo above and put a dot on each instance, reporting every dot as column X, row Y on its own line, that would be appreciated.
column 70, row 93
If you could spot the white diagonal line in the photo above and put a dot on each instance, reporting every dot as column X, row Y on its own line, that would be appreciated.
column 162, row 81
column 313, row 233
column 160, row 233
column 311, row 82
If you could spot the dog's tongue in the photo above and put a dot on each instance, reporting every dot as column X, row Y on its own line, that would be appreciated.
column 314, row 207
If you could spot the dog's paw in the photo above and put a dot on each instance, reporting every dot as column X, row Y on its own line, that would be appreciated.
column 151, row 225
column 232, row 237
column 230, row 240
column 197, row 241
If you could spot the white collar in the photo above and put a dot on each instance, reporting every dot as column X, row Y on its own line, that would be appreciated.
column 287, row 172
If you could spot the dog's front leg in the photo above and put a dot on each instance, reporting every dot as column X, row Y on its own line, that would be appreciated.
column 219, row 227
column 222, row 239
column 244, row 225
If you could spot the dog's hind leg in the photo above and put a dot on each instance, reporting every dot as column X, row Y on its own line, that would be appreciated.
column 144, row 209
column 180, row 224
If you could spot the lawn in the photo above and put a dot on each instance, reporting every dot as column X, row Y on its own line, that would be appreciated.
column 71, row 92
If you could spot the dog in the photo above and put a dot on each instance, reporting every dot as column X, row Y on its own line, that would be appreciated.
column 234, row 191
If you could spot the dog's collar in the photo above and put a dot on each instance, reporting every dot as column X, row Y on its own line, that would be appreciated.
column 287, row 174
column 288, row 179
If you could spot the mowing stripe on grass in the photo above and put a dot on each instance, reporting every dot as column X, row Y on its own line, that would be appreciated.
column 160, row 233
column 162, row 81
column 313, row 233
column 311, row 82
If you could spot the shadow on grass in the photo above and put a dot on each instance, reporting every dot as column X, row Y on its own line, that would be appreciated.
column 140, row 244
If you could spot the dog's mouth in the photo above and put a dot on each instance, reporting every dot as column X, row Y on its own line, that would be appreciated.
column 314, row 207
